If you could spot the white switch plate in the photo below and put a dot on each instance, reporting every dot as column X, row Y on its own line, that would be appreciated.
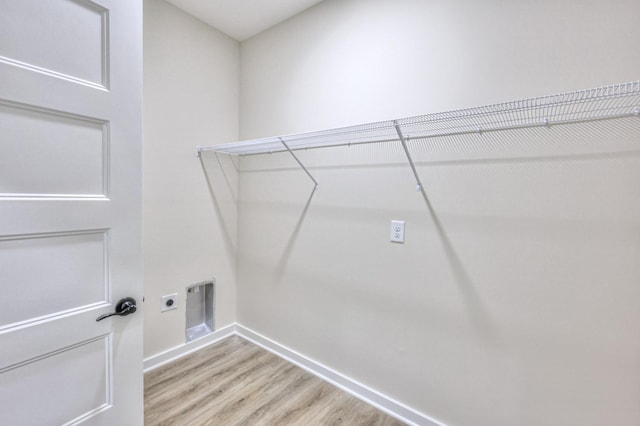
column 169, row 302
column 397, row 231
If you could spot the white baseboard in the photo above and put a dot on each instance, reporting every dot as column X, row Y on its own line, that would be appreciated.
column 172, row 354
column 360, row 391
column 382, row 402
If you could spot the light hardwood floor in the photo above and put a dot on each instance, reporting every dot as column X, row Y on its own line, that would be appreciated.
column 235, row 382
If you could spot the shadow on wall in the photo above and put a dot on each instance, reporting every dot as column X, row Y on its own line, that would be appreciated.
column 286, row 254
column 224, row 197
column 522, row 149
column 477, row 311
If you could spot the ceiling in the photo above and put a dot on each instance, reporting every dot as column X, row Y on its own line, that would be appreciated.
column 242, row 19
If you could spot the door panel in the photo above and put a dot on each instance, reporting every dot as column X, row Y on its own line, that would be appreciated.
column 70, row 203
column 60, row 155
column 72, row 271
column 79, row 366
column 66, row 37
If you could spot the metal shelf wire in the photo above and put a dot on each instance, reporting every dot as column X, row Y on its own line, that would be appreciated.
column 602, row 103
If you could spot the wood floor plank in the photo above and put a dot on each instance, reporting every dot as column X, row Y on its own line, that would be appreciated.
column 235, row 382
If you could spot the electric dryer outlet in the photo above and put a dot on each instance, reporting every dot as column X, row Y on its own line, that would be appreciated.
column 169, row 302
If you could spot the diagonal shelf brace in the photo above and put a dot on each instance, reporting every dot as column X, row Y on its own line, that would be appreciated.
column 299, row 162
column 406, row 151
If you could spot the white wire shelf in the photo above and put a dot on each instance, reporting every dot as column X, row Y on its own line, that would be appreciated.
column 602, row 103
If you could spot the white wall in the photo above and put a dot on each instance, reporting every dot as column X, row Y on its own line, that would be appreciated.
column 351, row 61
column 513, row 300
column 190, row 98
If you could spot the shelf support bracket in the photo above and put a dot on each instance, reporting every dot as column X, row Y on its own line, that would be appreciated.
column 403, row 141
column 299, row 162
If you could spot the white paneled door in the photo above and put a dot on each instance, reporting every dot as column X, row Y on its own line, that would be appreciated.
column 70, row 211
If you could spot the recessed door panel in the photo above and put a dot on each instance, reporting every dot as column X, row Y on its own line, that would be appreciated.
column 69, row 268
column 70, row 384
column 49, row 154
column 66, row 38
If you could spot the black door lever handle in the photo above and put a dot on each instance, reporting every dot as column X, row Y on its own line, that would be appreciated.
column 124, row 307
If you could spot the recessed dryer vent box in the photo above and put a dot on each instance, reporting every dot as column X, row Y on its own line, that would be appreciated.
column 200, row 300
